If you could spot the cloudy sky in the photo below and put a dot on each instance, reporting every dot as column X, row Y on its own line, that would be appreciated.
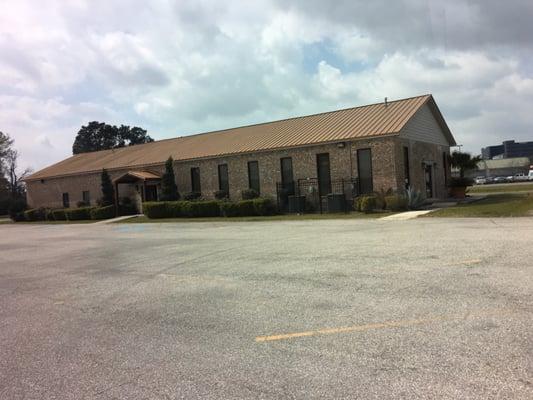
column 183, row 67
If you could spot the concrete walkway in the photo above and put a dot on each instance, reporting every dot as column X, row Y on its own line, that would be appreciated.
column 406, row 215
column 112, row 220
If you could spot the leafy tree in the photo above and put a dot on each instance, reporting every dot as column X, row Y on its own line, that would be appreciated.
column 169, row 189
column 108, row 191
column 464, row 161
column 101, row 136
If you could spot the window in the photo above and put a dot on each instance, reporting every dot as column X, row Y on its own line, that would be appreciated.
column 195, row 180
column 445, row 167
column 324, row 174
column 253, row 175
column 406, row 171
column 66, row 202
column 364, row 167
column 286, row 171
column 86, row 196
column 223, row 181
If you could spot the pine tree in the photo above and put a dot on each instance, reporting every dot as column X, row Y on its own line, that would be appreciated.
column 169, row 189
column 108, row 191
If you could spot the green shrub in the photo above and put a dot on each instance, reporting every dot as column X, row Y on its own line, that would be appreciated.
column 220, row 194
column 4, row 205
column 35, row 214
column 204, row 209
column 246, row 208
column 155, row 209
column 380, row 197
column 182, row 209
column 264, row 206
column 396, row 202
column 59, row 215
column 229, row 209
column 103, row 212
column 460, row 182
column 192, row 196
column 241, row 208
column 249, row 194
column 415, row 199
column 16, row 209
column 357, row 203
column 368, row 203
column 127, row 209
column 208, row 208
column 78, row 214
column 49, row 214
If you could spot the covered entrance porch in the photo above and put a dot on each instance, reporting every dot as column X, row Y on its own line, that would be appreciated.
column 135, row 187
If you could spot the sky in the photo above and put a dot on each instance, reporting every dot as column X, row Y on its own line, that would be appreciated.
column 183, row 67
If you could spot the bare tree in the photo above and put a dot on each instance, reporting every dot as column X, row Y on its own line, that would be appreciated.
column 15, row 177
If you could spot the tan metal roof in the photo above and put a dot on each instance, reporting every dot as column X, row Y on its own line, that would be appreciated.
column 352, row 123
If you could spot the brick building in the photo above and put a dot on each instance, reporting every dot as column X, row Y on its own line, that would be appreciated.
column 356, row 150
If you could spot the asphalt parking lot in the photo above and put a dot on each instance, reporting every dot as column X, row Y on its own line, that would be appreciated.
column 426, row 308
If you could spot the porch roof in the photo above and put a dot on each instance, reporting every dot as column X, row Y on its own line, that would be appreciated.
column 133, row 176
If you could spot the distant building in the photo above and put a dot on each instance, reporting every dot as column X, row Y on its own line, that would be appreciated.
column 501, row 167
column 508, row 149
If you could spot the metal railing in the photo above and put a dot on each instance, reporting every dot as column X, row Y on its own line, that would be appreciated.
column 341, row 194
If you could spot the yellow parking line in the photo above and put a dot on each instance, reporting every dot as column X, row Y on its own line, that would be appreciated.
column 379, row 325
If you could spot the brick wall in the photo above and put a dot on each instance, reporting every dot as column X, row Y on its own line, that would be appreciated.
column 383, row 161
column 387, row 171
column 420, row 152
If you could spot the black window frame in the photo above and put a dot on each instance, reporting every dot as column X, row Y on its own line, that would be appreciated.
column 285, row 179
column 196, row 183
column 324, row 185
column 406, row 167
column 251, row 179
column 66, row 200
column 445, row 166
column 363, row 190
column 221, row 186
column 86, row 198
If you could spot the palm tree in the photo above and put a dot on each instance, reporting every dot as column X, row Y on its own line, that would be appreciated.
column 464, row 162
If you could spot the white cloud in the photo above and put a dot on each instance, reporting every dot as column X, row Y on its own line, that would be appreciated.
column 192, row 66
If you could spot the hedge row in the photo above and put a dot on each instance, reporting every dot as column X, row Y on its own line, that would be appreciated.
column 194, row 209
column 69, row 214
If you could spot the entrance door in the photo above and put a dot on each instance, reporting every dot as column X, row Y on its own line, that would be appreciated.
column 151, row 192
column 364, row 167
column 428, row 173
column 324, row 175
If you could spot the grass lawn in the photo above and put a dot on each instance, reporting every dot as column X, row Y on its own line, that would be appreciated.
column 506, row 187
column 291, row 217
column 88, row 221
column 497, row 205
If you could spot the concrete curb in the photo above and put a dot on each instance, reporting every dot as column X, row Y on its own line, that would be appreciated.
column 112, row 220
column 406, row 215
